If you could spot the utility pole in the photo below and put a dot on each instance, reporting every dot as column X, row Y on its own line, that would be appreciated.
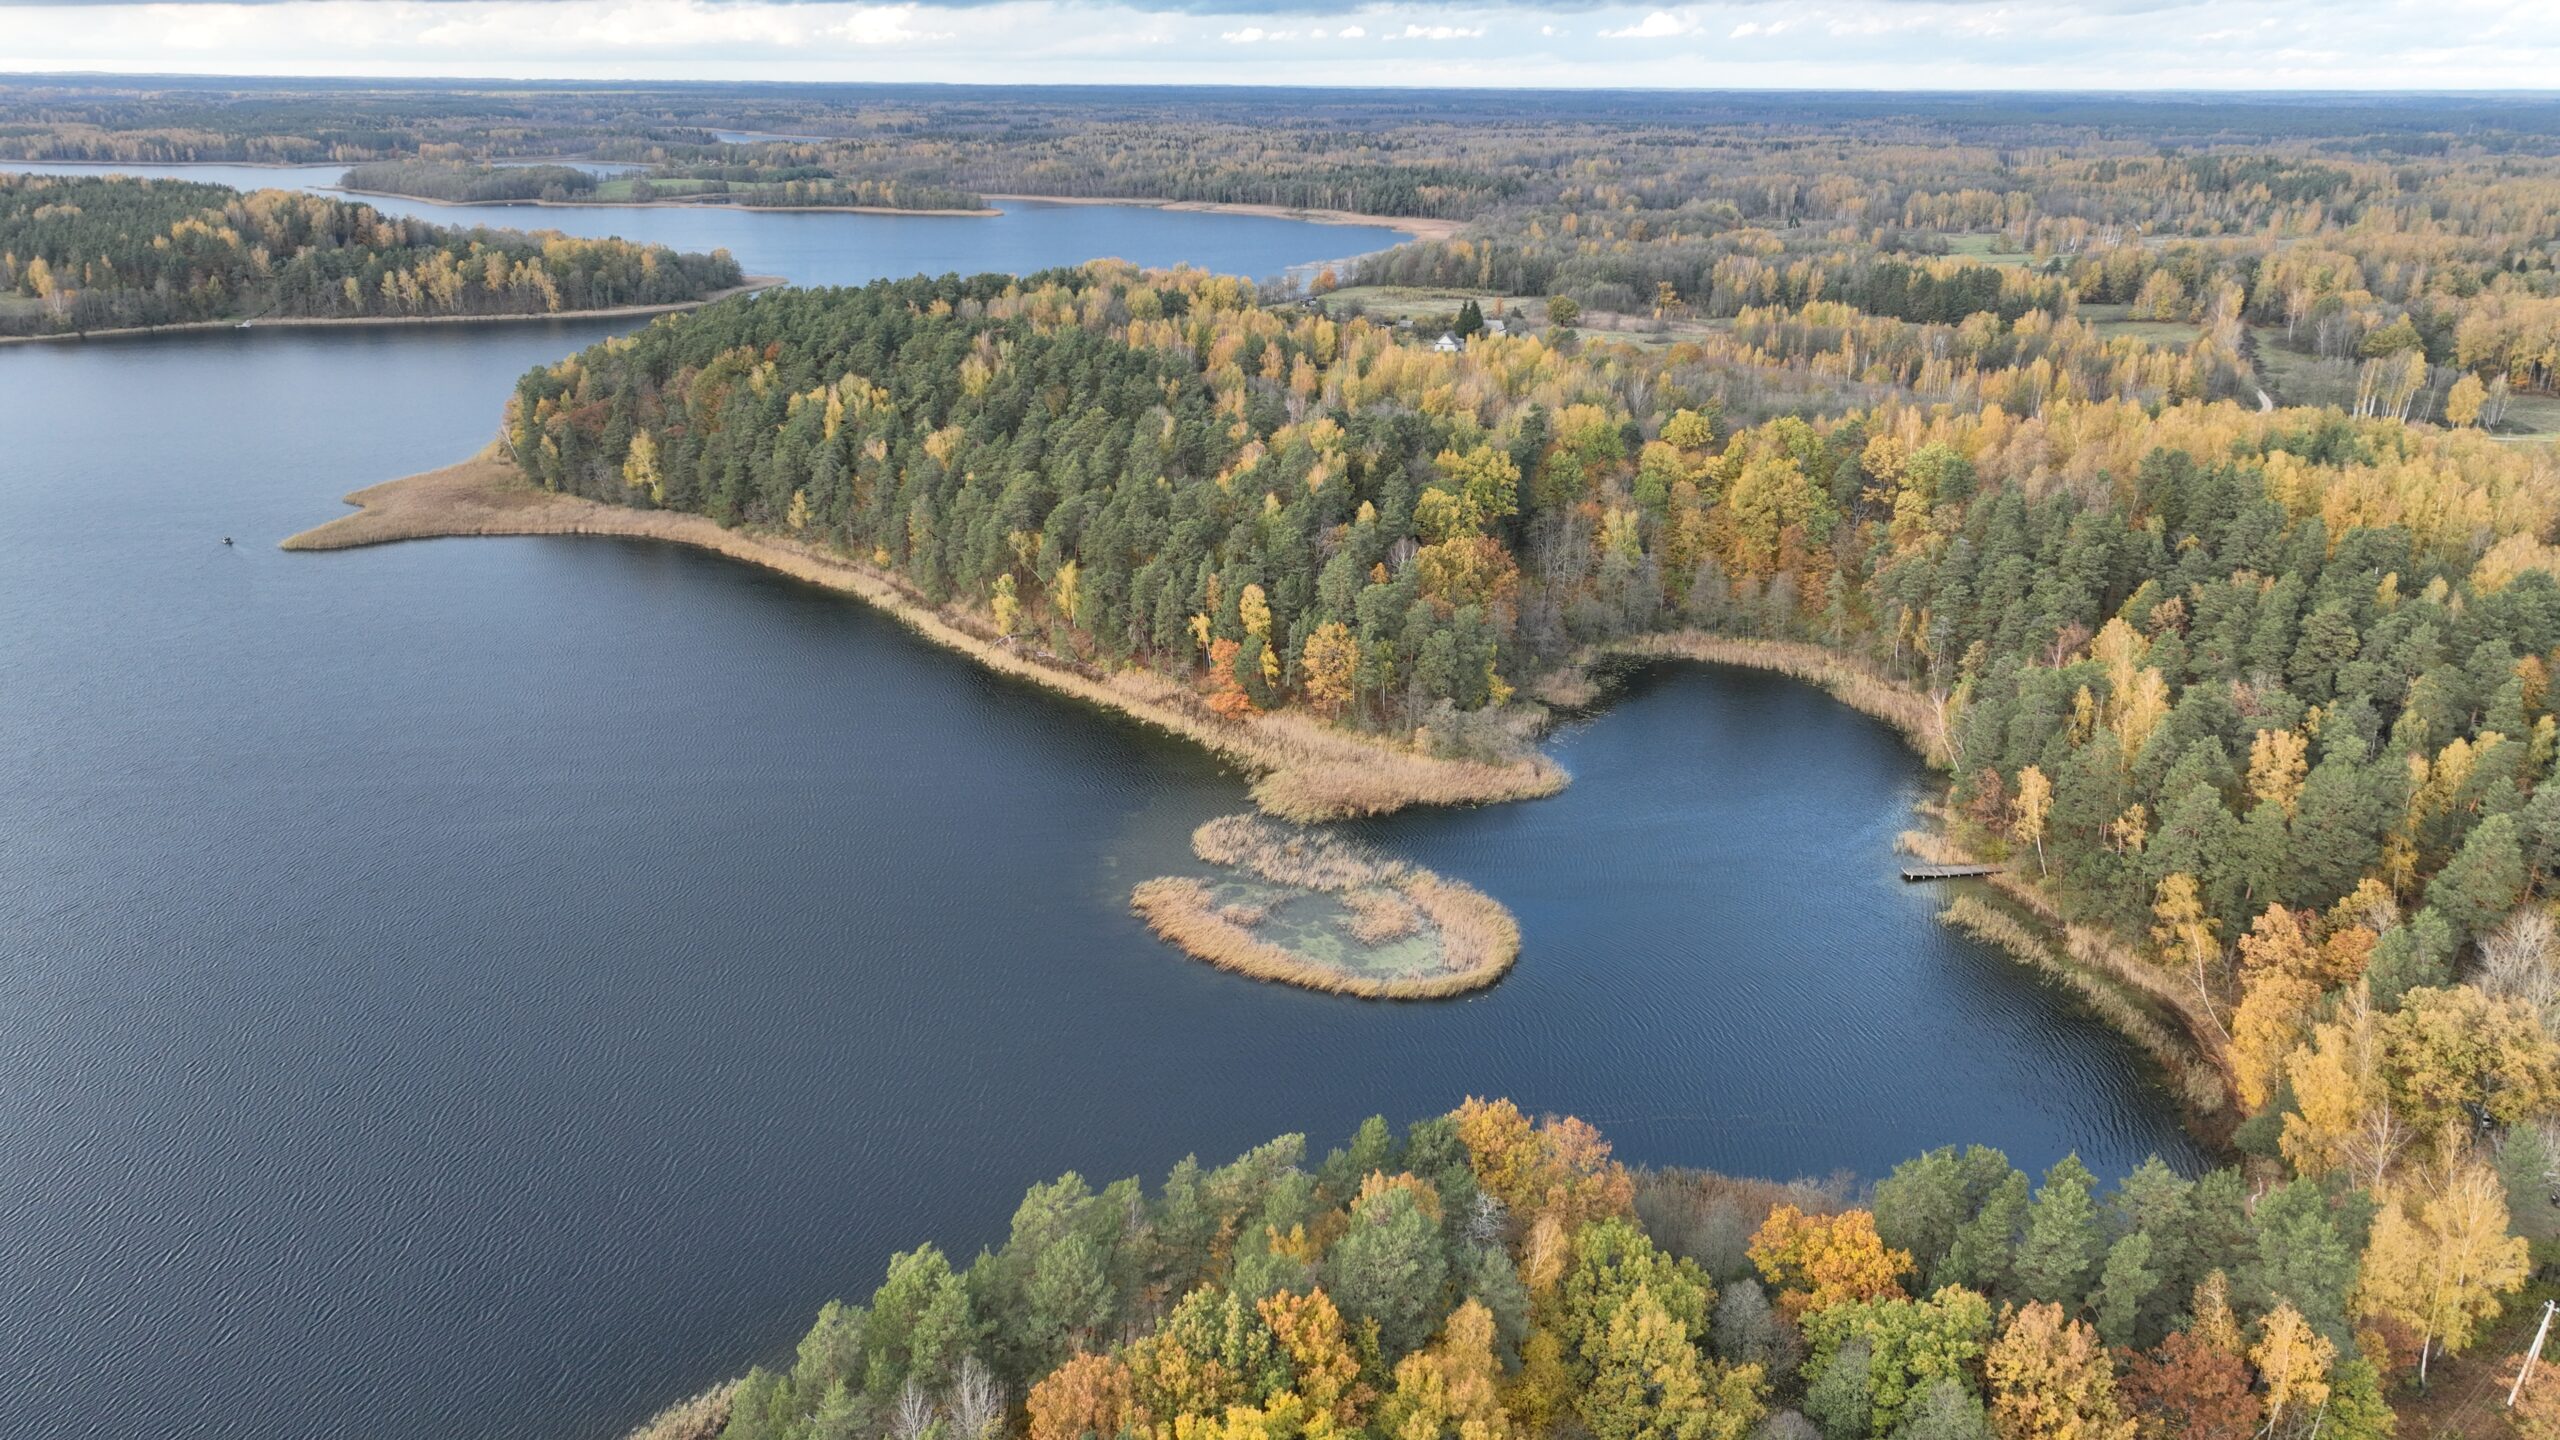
column 2526, row 1370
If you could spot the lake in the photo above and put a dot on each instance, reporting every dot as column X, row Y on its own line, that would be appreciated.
column 842, row 248
column 493, row 988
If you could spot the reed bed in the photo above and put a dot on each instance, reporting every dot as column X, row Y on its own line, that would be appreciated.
column 2205, row 1069
column 702, row 1417
column 2198, row 1079
column 1305, row 770
column 1384, row 901
column 1379, row 915
column 1851, row 681
column 1286, row 855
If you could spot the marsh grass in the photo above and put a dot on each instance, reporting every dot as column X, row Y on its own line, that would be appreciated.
column 1304, row 769
column 1320, row 911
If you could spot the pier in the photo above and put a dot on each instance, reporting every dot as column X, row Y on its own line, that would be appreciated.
column 1913, row 874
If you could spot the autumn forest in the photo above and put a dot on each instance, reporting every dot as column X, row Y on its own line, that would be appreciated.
column 2179, row 481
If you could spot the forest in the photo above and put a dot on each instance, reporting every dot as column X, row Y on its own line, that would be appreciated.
column 760, row 177
column 2255, row 703
column 85, row 254
column 2177, row 476
column 470, row 184
column 2388, row 256
column 1483, row 1275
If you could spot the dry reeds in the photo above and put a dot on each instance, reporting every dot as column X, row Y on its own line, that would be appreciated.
column 2197, row 1078
column 702, row 1417
column 2203, row 1064
column 1306, row 770
column 1849, row 680
column 1379, row 915
column 1286, row 855
column 1385, row 900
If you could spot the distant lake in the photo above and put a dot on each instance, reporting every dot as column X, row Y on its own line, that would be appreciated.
column 492, row 988
column 826, row 247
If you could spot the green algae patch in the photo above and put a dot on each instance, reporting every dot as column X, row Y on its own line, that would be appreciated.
column 1305, row 908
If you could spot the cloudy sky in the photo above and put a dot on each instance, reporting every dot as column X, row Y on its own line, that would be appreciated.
column 1874, row 44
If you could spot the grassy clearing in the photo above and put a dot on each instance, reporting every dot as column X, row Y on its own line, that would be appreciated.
column 2296, row 378
column 2117, row 322
column 1435, row 308
column 1318, row 911
column 1988, row 248
column 1419, row 302
column 1305, row 770
column 2531, row 418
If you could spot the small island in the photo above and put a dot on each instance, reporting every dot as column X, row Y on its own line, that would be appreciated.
column 1317, row 910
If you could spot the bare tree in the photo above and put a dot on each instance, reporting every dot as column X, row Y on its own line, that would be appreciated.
column 2516, row 963
column 915, row 1413
column 977, row 1401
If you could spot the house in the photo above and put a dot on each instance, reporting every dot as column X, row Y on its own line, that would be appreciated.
column 1447, row 344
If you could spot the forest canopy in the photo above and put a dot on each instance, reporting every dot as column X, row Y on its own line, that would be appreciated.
column 82, row 254
column 1481, row 1275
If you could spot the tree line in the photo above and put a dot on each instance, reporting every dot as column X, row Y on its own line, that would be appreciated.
column 1480, row 1276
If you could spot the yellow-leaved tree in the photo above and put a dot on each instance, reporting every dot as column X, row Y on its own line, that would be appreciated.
column 2034, row 803
column 1449, row 1389
column 2441, row 1257
column 2050, row 1379
column 2293, row 1362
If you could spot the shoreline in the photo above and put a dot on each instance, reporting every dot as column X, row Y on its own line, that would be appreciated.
column 679, row 203
column 2123, row 990
column 1305, row 771
column 1417, row 227
column 754, row 284
column 1301, row 769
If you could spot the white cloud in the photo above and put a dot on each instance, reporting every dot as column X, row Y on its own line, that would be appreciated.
column 1660, row 25
column 1883, row 44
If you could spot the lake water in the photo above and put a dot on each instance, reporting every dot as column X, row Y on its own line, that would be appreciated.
column 839, row 248
column 491, row 988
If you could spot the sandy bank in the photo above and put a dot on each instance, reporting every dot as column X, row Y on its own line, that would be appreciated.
column 753, row 284
column 1417, row 227
column 1304, row 770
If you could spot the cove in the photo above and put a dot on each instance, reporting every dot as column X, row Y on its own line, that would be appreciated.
column 496, row 987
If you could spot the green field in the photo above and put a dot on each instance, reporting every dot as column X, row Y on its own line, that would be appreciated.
column 2531, row 418
column 2112, row 322
column 1990, row 249
column 619, row 188
column 1420, row 303
column 1432, row 308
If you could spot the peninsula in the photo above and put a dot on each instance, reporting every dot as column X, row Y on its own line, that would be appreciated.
column 99, row 255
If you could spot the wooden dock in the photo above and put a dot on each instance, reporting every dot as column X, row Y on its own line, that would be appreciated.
column 1915, row 873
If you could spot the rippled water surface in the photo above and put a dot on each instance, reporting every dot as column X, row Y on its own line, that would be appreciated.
column 490, row 988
